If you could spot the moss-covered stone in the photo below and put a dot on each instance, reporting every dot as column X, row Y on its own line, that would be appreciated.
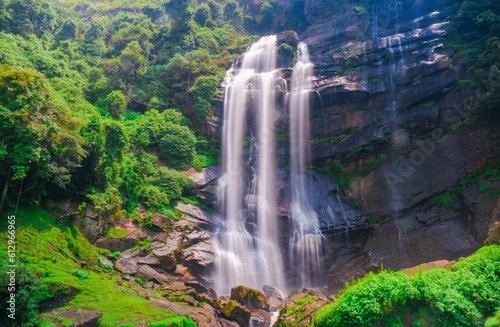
column 235, row 311
column 494, row 234
column 249, row 297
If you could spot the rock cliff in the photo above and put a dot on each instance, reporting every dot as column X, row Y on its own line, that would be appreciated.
column 392, row 101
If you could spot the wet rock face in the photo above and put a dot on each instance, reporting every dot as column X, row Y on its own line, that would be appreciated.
column 386, row 87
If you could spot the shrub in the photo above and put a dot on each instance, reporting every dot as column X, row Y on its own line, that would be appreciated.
column 116, row 104
column 80, row 274
column 30, row 290
column 462, row 297
column 177, row 146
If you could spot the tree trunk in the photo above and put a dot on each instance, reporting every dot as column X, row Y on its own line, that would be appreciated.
column 4, row 194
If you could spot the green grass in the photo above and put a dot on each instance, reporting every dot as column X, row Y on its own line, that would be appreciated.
column 489, row 172
column 446, row 199
column 55, row 252
column 116, row 233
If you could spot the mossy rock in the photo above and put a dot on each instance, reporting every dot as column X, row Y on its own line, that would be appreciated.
column 249, row 297
column 493, row 234
column 235, row 311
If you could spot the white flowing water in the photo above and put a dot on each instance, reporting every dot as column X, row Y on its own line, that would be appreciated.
column 306, row 240
column 247, row 252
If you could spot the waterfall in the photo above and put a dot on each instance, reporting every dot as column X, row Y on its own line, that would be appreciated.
column 247, row 252
column 306, row 240
column 248, row 232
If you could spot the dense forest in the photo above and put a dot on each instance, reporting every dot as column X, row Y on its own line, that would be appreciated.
column 107, row 102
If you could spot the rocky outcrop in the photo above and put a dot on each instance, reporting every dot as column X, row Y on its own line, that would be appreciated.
column 300, row 308
column 249, row 297
column 78, row 316
column 183, row 252
column 88, row 221
column 339, row 275
column 493, row 234
column 392, row 104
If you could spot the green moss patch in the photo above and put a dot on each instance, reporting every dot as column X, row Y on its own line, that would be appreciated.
column 61, row 257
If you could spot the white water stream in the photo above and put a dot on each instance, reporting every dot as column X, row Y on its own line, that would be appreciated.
column 248, row 235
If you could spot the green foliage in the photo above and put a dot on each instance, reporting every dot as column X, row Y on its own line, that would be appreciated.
column 80, row 274
column 460, row 297
column 49, row 257
column 203, row 91
column 180, row 321
column 30, row 290
column 446, row 199
column 108, row 203
column 35, row 129
column 485, row 186
column 140, row 281
column 93, row 44
column 31, row 17
column 493, row 321
column 335, row 169
column 116, row 104
column 161, row 188
column 114, row 232
column 177, row 147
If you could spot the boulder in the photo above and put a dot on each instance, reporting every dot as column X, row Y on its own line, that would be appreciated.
column 129, row 260
column 166, row 252
column 205, row 176
column 260, row 318
column 133, row 235
column 249, row 297
column 273, row 298
column 493, row 234
column 147, row 273
column 79, row 317
column 235, row 311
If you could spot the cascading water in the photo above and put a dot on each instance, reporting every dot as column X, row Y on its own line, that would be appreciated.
column 306, row 240
column 247, row 252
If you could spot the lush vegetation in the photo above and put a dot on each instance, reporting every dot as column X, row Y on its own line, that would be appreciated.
column 55, row 259
column 462, row 296
column 94, row 98
column 475, row 38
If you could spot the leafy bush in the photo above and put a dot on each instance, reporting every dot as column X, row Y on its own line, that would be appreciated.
column 80, row 274
column 177, row 146
column 116, row 104
column 30, row 290
column 461, row 297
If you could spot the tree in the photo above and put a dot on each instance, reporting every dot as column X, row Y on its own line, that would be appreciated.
column 233, row 13
column 202, row 14
column 93, row 44
column 37, row 136
column 31, row 17
column 68, row 31
column 203, row 91
column 116, row 104
column 132, row 62
column 177, row 147
column 179, row 11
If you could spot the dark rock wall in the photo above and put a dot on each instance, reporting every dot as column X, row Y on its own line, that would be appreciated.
column 387, row 88
column 386, row 81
